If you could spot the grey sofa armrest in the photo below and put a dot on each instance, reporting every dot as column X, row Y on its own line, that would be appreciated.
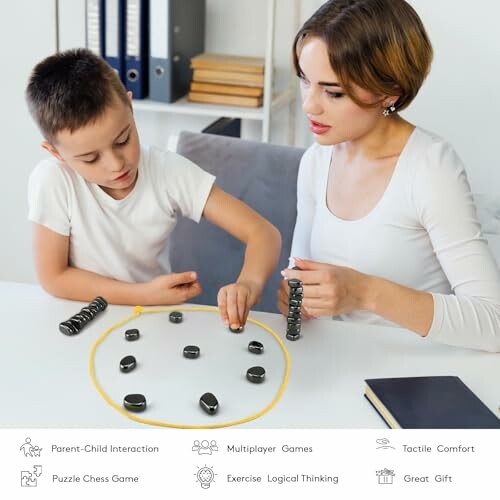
column 264, row 176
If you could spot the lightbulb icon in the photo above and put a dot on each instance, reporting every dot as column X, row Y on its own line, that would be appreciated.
column 205, row 476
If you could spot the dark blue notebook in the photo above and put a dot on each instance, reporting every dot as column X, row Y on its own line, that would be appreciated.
column 439, row 402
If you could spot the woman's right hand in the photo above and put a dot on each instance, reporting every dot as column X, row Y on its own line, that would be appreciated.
column 173, row 288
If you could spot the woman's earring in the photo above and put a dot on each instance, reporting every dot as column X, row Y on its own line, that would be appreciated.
column 389, row 110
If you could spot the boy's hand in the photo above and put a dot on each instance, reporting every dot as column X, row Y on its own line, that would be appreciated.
column 173, row 288
column 235, row 301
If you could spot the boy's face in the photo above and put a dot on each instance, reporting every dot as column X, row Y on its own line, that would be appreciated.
column 105, row 152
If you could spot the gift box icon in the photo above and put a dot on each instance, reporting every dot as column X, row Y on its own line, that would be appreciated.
column 385, row 476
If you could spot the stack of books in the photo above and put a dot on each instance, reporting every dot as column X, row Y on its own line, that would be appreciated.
column 225, row 79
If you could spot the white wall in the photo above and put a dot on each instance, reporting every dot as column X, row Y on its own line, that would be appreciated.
column 239, row 27
column 27, row 34
column 459, row 100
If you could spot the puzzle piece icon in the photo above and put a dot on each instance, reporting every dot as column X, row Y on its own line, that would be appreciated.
column 25, row 475
column 38, row 470
column 31, row 482
column 27, row 479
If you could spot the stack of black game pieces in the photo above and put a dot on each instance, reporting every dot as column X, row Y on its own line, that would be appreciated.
column 73, row 325
column 295, row 296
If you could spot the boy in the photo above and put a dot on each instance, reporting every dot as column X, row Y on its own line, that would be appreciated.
column 103, row 207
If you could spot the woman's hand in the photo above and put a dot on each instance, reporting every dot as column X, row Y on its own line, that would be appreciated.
column 283, row 293
column 328, row 290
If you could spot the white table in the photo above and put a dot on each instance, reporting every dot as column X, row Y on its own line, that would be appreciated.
column 46, row 383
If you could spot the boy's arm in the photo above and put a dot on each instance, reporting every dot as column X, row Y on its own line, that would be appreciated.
column 51, row 252
column 263, row 244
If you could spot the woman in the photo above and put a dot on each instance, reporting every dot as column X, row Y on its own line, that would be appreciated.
column 386, row 228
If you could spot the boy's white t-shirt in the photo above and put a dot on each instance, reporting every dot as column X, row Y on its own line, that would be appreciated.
column 423, row 233
column 120, row 239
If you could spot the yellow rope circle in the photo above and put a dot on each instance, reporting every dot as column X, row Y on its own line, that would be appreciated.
column 138, row 310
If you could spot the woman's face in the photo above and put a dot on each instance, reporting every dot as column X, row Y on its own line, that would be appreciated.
column 333, row 116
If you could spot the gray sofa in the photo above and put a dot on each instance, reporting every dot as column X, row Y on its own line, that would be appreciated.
column 264, row 176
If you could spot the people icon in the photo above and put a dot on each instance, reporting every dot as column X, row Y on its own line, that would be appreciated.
column 27, row 448
column 30, row 450
column 205, row 447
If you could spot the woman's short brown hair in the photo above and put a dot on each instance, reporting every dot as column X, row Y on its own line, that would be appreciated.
column 70, row 89
column 378, row 45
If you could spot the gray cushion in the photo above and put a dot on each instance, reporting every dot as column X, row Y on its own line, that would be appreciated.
column 264, row 176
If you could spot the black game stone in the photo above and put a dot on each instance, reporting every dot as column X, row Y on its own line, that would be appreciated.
column 87, row 315
column 209, row 403
column 127, row 364
column 175, row 317
column 134, row 402
column 94, row 308
column 89, row 311
column 256, row 374
column 294, row 283
column 191, row 351
column 236, row 330
column 82, row 317
column 102, row 302
column 293, row 319
column 67, row 328
column 74, row 324
column 98, row 305
column 293, row 335
column 255, row 347
column 132, row 334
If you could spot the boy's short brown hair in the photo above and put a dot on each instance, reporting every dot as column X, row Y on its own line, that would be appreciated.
column 70, row 89
column 378, row 45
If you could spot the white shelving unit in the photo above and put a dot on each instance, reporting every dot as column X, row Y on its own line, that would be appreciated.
column 273, row 100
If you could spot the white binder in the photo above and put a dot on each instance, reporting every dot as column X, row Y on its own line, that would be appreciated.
column 94, row 24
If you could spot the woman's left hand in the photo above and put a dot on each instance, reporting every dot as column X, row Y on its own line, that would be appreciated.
column 329, row 290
